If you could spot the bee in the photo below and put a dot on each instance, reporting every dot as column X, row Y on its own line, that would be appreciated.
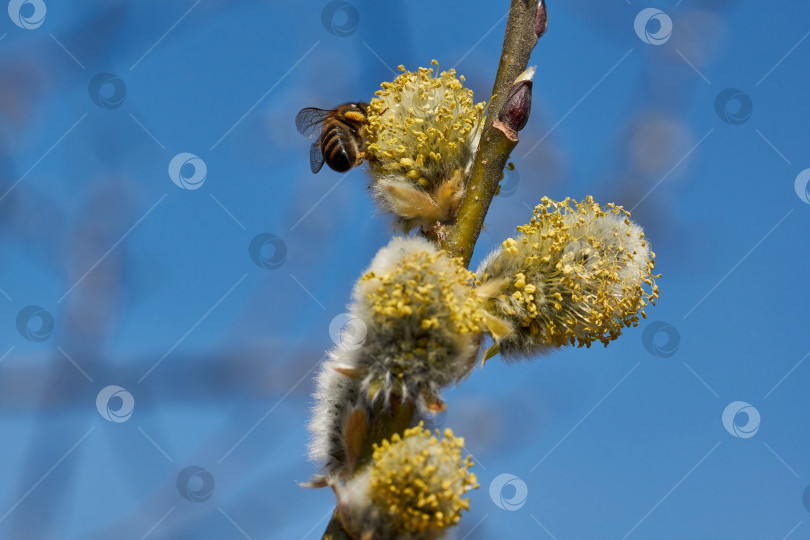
column 341, row 135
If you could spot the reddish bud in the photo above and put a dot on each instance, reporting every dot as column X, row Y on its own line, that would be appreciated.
column 515, row 112
column 541, row 19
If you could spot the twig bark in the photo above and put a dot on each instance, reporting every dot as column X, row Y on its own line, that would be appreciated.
column 526, row 22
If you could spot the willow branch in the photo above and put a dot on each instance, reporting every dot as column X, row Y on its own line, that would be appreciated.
column 526, row 23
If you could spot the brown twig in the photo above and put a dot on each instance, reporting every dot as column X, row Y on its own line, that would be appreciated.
column 526, row 23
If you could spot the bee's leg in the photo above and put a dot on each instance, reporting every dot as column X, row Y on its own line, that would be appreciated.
column 354, row 117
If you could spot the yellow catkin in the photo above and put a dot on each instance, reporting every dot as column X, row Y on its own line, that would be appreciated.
column 425, row 283
column 420, row 126
column 578, row 273
column 419, row 480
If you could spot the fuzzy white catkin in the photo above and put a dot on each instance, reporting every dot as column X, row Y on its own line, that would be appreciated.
column 336, row 397
column 422, row 320
column 578, row 273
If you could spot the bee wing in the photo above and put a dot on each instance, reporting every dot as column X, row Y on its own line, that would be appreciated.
column 308, row 120
column 315, row 156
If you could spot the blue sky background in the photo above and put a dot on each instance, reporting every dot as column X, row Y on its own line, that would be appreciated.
column 152, row 288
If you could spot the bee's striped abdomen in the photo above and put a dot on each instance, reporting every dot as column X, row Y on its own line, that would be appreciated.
column 338, row 146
